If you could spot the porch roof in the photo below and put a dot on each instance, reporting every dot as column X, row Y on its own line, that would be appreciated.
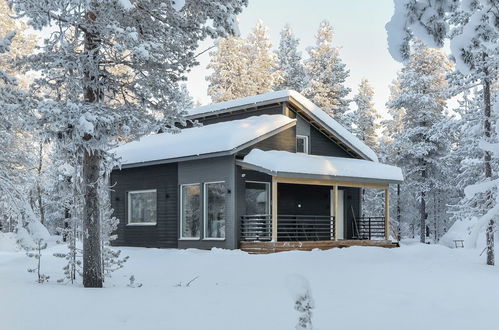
column 297, row 165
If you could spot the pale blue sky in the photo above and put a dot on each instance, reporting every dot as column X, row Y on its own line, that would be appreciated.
column 359, row 27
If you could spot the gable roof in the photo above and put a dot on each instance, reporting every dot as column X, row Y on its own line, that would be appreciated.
column 218, row 139
column 316, row 113
column 288, row 164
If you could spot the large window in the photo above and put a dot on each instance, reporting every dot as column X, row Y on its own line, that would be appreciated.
column 302, row 144
column 214, row 210
column 257, row 198
column 142, row 207
column 190, row 211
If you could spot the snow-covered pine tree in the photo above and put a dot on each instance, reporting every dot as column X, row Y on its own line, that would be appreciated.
column 366, row 116
column 473, row 30
column 15, row 168
column 230, row 74
column 106, row 67
column 419, row 145
column 365, row 125
column 242, row 66
column 289, row 62
column 327, row 74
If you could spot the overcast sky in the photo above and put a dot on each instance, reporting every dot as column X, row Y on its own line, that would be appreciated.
column 359, row 27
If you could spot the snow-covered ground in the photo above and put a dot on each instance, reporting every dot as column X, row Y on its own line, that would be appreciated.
column 413, row 287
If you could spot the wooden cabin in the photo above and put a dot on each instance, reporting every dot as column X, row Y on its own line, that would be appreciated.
column 266, row 173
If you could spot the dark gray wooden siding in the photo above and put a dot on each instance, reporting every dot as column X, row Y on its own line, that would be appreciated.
column 163, row 178
column 322, row 145
column 211, row 170
column 285, row 140
column 271, row 110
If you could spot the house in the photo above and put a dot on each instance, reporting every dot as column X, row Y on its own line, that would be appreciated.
column 265, row 173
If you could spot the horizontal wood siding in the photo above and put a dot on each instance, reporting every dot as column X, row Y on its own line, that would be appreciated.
column 322, row 145
column 285, row 141
column 163, row 178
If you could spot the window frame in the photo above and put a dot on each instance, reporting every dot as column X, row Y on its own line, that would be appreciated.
column 205, row 212
column 269, row 194
column 305, row 144
column 181, row 208
column 129, row 208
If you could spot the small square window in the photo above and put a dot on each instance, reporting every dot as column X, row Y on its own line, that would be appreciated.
column 142, row 207
column 302, row 144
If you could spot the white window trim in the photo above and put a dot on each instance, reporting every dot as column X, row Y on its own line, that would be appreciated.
column 269, row 193
column 205, row 213
column 305, row 137
column 197, row 238
column 129, row 208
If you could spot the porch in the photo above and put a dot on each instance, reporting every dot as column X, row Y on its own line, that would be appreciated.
column 308, row 210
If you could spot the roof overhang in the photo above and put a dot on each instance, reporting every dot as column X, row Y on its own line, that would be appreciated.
column 282, row 165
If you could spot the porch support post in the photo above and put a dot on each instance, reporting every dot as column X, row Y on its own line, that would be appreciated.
column 387, row 213
column 336, row 212
column 274, row 209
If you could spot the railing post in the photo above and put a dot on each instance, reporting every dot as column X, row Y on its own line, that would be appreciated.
column 387, row 213
column 336, row 212
column 274, row 209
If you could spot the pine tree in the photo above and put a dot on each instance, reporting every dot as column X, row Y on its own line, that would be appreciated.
column 473, row 30
column 420, row 145
column 289, row 60
column 242, row 66
column 366, row 116
column 327, row 74
column 106, row 68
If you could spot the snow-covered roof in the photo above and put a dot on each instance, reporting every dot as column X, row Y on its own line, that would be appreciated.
column 225, row 137
column 313, row 110
column 287, row 164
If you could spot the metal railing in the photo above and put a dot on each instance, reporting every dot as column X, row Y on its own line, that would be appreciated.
column 371, row 228
column 289, row 227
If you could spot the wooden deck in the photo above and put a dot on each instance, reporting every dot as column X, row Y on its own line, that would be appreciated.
column 271, row 247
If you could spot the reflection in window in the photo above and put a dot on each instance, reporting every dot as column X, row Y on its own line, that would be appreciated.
column 142, row 207
column 257, row 198
column 215, row 202
column 302, row 144
column 191, row 211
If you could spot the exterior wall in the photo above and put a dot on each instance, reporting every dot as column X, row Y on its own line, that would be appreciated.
column 163, row 178
column 209, row 170
column 285, row 140
column 321, row 145
column 272, row 110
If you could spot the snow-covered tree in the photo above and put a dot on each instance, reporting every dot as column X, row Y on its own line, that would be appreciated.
column 242, row 66
column 366, row 116
column 105, row 69
column 473, row 30
column 327, row 74
column 289, row 62
column 419, row 144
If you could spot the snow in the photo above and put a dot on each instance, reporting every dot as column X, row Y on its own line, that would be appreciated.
column 336, row 167
column 178, row 4
column 315, row 111
column 219, row 137
column 395, row 28
column 352, row 288
column 125, row 4
column 464, row 41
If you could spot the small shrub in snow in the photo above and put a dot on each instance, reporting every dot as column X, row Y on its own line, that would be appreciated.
column 132, row 283
column 304, row 304
column 188, row 284
column 37, row 254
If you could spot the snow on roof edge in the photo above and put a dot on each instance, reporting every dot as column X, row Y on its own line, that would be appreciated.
column 341, row 132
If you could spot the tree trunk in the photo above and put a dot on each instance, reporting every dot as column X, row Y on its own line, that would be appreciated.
column 38, row 186
column 422, row 219
column 92, row 264
column 488, row 169
column 399, row 217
